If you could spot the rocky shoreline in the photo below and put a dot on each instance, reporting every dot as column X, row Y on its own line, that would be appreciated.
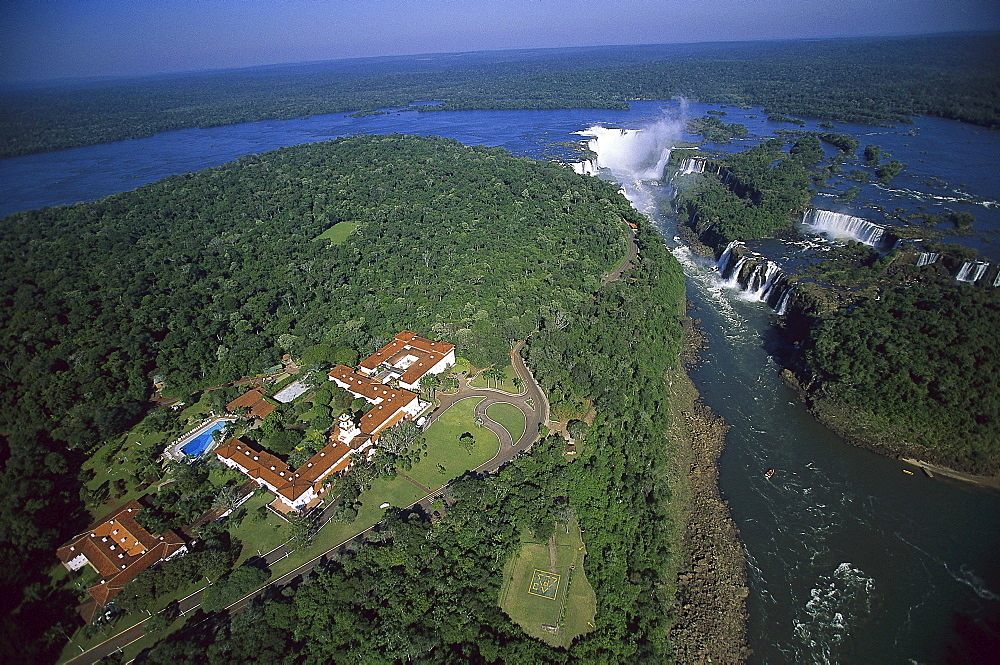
column 710, row 620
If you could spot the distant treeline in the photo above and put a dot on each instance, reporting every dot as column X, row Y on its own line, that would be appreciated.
column 870, row 80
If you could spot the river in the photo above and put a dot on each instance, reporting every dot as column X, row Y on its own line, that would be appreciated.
column 850, row 560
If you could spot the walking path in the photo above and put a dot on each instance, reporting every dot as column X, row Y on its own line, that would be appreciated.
column 531, row 401
column 426, row 490
column 627, row 262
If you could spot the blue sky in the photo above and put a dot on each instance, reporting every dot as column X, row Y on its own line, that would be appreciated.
column 41, row 39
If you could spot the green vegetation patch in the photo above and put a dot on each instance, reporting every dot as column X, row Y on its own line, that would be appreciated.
column 508, row 415
column 501, row 378
column 762, row 186
column 545, row 588
column 119, row 315
column 919, row 364
column 447, row 457
column 338, row 233
column 260, row 530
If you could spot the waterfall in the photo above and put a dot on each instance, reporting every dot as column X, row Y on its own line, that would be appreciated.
column 971, row 271
column 927, row 258
column 758, row 279
column 632, row 154
column 845, row 226
column 691, row 165
column 782, row 306
column 722, row 265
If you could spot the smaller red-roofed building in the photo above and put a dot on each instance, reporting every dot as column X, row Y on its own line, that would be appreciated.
column 409, row 358
column 118, row 548
column 254, row 401
column 294, row 488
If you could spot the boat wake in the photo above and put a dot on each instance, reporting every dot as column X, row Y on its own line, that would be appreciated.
column 964, row 574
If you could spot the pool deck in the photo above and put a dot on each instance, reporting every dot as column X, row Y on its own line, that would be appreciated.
column 175, row 450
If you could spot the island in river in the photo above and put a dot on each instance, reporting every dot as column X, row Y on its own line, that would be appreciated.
column 890, row 341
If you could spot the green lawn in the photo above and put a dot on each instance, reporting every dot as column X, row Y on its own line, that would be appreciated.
column 507, row 384
column 461, row 365
column 264, row 535
column 511, row 417
column 261, row 535
column 120, row 466
column 571, row 605
column 197, row 411
column 276, row 386
column 398, row 492
column 338, row 233
column 444, row 449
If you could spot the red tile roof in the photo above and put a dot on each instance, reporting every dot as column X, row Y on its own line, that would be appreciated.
column 427, row 353
column 119, row 548
column 254, row 401
column 289, row 483
column 390, row 401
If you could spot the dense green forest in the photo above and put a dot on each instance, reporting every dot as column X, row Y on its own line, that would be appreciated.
column 751, row 194
column 916, row 365
column 203, row 278
column 867, row 80
column 427, row 592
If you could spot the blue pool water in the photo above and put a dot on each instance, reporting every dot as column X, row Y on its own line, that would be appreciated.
column 197, row 445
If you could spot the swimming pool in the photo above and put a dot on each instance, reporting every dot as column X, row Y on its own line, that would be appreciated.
column 200, row 443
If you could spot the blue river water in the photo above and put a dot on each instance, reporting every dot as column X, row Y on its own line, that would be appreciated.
column 850, row 560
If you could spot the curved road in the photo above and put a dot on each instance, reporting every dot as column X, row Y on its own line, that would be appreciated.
column 531, row 401
column 627, row 262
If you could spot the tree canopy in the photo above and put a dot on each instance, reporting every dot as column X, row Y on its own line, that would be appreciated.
column 866, row 80
column 921, row 364
column 203, row 278
column 425, row 590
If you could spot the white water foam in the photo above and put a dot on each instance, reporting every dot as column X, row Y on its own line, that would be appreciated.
column 960, row 197
column 837, row 601
column 839, row 225
column 638, row 154
column 964, row 575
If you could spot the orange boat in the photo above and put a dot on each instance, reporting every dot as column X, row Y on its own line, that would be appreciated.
column 770, row 472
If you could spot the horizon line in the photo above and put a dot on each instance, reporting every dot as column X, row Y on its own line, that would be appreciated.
column 34, row 83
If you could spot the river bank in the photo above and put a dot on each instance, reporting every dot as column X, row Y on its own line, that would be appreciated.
column 855, row 429
column 710, row 622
